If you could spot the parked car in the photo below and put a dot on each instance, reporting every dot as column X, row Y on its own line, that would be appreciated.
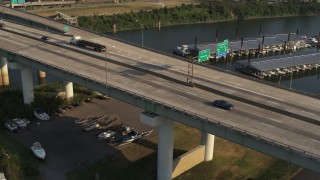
column 223, row 104
column 45, row 38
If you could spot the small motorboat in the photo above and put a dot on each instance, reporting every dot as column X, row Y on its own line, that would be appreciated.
column 25, row 121
column 91, row 127
column 146, row 133
column 41, row 114
column 10, row 125
column 129, row 138
column 106, row 134
column 20, row 122
column 38, row 150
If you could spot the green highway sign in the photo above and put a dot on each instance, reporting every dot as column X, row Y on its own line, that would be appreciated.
column 204, row 55
column 66, row 28
column 222, row 48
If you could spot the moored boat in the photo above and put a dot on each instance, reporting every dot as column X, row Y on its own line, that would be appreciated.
column 20, row 122
column 41, row 114
column 106, row 134
column 38, row 150
column 10, row 125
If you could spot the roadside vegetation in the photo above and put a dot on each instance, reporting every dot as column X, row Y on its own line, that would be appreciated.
column 197, row 13
column 102, row 7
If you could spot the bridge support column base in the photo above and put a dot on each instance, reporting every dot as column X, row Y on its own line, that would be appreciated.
column 69, row 90
column 27, row 85
column 165, row 143
column 208, row 140
column 41, row 77
column 4, row 75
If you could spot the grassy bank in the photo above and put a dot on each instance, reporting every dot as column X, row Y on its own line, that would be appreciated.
column 29, row 164
column 231, row 161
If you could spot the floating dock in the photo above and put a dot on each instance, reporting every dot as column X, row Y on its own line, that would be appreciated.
column 262, row 45
column 279, row 66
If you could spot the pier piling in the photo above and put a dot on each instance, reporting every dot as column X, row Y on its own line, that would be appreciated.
column 237, row 33
column 260, row 31
column 216, row 35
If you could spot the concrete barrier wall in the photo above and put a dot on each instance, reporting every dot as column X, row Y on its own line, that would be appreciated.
column 30, row 23
column 188, row 160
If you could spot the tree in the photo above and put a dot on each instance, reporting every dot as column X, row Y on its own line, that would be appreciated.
column 10, row 164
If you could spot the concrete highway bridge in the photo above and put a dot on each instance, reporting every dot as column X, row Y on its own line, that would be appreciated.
column 269, row 119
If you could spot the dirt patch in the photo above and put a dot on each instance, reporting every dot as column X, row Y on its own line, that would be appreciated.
column 100, row 7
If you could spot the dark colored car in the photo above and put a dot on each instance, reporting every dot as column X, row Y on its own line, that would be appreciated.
column 223, row 104
column 45, row 38
column 2, row 25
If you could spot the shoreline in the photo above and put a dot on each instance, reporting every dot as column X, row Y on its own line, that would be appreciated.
column 212, row 22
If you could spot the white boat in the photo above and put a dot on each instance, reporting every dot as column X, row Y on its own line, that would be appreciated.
column 81, row 121
column 91, row 127
column 20, row 122
column 10, row 125
column 25, row 120
column 38, row 150
column 40, row 114
column 272, row 72
column 181, row 50
column 279, row 71
column 106, row 134
column 146, row 133
column 130, row 137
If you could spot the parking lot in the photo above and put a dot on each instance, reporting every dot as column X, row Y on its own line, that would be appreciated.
column 67, row 146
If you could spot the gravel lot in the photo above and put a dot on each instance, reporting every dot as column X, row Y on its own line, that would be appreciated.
column 67, row 146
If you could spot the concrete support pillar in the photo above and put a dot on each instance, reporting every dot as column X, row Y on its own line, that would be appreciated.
column 165, row 143
column 4, row 74
column 69, row 90
column 208, row 140
column 41, row 77
column 165, row 150
column 114, row 28
column 27, row 85
column 159, row 24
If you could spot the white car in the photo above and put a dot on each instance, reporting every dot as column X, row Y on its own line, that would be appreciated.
column 40, row 114
column 20, row 122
